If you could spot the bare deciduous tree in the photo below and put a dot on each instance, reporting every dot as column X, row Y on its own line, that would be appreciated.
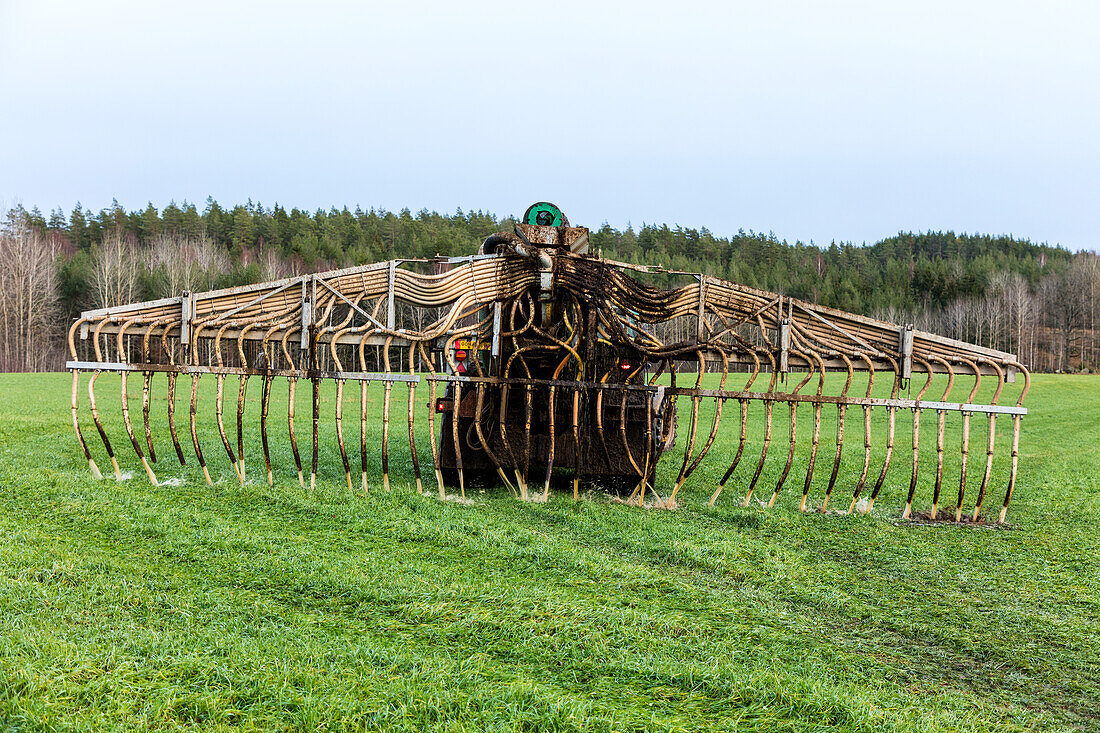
column 178, row 263
column 273, row 266
column 28, row 298
column 1020, row 312
column 114, row 270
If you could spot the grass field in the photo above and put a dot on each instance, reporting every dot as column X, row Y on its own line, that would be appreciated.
column 186, row 606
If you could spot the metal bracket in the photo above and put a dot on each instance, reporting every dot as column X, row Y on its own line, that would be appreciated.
column 187, row 313
column 495, row 350
column 702, row 307
column 784, row 345
column 658, row 398
column 307, row 317
column 905, row 347
column 391, row 321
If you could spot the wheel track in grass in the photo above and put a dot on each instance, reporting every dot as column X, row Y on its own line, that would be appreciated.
column 688, row 572
column 971, row 667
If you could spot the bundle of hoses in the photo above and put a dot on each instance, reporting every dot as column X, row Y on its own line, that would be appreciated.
column 317, row 327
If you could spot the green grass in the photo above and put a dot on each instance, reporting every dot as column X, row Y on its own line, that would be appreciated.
column 186, row 606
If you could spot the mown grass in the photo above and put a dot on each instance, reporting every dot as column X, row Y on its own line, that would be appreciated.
column 186, row 606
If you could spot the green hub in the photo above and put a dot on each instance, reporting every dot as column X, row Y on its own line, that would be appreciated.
column 544, row 214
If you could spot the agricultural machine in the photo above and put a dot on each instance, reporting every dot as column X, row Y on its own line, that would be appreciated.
column 542, row 360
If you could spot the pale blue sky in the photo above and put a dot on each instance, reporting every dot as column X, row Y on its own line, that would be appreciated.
column 815, row 120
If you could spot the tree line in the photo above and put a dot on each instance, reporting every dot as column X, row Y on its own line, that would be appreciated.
column 1036, row 300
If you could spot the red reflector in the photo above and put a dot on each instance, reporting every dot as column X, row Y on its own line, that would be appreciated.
column 441, row 406
column 625, row 366
column 461, row 368
column 460, row 354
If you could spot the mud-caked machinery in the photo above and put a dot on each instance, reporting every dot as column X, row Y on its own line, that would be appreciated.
column 541, row 349
column 546, row 365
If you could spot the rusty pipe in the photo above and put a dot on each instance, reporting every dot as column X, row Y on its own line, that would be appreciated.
column 992, row 433
column 966, row 437
column 841, row 408
column 916, row 440
column 194, row 429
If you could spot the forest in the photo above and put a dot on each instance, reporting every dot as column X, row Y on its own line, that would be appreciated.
column 1038, row 301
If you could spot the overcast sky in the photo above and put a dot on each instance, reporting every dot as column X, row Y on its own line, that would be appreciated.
column 815, row 120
